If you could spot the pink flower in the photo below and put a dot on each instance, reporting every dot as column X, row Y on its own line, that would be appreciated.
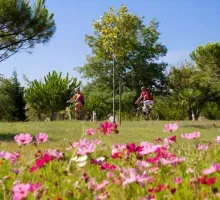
column 172, row 160
column 110, row 175
column 56, row 153
column 107, row 166
column 178, row 180
column 92, row 185
column 85, row 147
column 208, row 171
column 16, row 171
column 148, row 147
column 153, row 160
column 41, row 162
column 149, row 197
column 158, row 139
column 170, row 140
column 133, row 148
column 142, row 164
column 90, row 131
column 101, row 196
column 20, row 191
column 101, row 185
column 202, row 147
column 107, row 127
column 217, row 139
column 34, row 187
column 117, row 149
column 170, row 127
column 130, row 175
column 205, row 181
column 191, row 136
column 217, row 166
column 213, row 168
column 9, row 156
column 41, row 137
column 23, row 138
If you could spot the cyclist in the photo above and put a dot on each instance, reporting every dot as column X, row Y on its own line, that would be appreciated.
column 79, row 99
column 146, row 98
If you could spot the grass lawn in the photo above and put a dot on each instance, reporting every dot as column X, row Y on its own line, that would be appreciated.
column 136, row 131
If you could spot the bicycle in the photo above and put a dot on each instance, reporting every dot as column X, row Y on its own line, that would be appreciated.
column 83, row 113
column 146, row 113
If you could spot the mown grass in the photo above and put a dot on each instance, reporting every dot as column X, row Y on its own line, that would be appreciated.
column 60, row 132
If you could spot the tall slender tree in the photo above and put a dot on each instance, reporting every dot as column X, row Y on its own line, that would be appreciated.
column 123, row 47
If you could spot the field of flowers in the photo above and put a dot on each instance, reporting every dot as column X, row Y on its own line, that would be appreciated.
column 91, row 168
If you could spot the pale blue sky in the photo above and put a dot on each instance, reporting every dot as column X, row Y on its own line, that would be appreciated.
column 183, row 25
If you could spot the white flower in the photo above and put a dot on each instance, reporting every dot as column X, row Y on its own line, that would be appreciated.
column 81, row 160
column 100, row 159
column 74, row 159
column 81, row 164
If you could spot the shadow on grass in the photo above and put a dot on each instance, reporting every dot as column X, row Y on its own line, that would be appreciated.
column 197, row 126
column 7, row 136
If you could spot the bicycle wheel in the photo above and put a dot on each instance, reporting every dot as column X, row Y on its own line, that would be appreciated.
column 136, row 114
column 152, row 115
column 85, row 115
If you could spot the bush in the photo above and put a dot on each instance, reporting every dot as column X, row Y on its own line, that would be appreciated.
column 211, row 111
column 169, row 109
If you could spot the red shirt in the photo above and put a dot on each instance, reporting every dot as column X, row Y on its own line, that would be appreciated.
column 146, row 95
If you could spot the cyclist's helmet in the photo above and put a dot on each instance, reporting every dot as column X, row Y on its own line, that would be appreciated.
column 77, row 89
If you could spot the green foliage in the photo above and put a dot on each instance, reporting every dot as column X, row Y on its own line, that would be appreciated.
column 169, row 108
column 23, row 26
column 98, row 98
column 50, row 95
column 133, row 46
column 207, row 60
column 211, row 111
column 186, row 88
column 12, row 99
column 123, row 47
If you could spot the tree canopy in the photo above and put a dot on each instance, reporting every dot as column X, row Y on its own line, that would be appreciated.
column 22, row 26
column 124, row 37
column 51, row 94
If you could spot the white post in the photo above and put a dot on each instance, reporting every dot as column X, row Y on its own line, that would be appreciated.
column 93, row 116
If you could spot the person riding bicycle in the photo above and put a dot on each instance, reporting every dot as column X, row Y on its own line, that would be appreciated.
column 146, row 98
column 79, row 99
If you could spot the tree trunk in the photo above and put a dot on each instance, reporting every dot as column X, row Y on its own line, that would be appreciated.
column 196, row 113
column 39, row 116
column 53, row 115
column 190, row 113
column 120, row 99
column 113, row 82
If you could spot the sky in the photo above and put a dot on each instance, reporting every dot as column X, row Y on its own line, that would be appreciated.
column 184, row 25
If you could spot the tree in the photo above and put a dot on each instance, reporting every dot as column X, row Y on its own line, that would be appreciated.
column 51, row 94
column 185, row 84
column 124, row 48
column 207, row 60
column 21, row 26
column 12, row 99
